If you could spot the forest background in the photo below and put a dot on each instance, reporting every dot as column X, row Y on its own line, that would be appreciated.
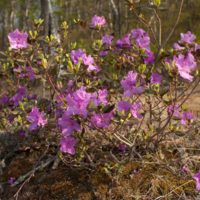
column 19, row 14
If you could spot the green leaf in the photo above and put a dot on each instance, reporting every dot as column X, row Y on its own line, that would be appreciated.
column 133, row 120
column 179, row 133
column 108, row 108
column 50, row 61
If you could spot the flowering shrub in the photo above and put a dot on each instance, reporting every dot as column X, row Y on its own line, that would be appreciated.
column 122, row 85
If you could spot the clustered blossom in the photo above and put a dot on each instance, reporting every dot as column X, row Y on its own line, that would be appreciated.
column 124, row 105
column 197, row 178
column 187, row 118
column 142, row 38
column 21, row 92
column 150, row 59
column 177, row 110
column 124, row 42
column 86, row 60
column 36, row 119
column 129, row 85
column 100, row 98
column 107, row 39
column 68, row 125
column 78, row 102
column 185, row 65
column 101, row 120
column 29, row 71
column 18, row 40
column 67, row 145
column 96, row 20
column 156, row 78
column 187, row 37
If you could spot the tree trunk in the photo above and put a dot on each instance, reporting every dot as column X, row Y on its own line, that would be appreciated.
column 45, row 15
column 5, row 27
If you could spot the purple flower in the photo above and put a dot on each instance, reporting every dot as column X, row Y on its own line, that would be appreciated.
column 96, row 20
column 30, row 73
column 75, row 55
column 143, row 42
column 22, row 134
column 107, row 39
column 10, row 118
column 156, row 78
column 36, row 118
column 67, row 145
column 187, row 118
column 129, row 85
column 150, row 59
column 124, row 42
column 185, row 169
column 101, row 122
column 100, row 98
column 187, row 37
column 176, row 113
column 185, row 65
column 78, row 102
column 21, row 92
column 136, row 33
column 68, row 125
column 123, row 105
column 18, row 40
column 11, row 180
column 18, row 70
column 71, row 83
column 122, row 148
column 93, row 68
column 104, row 53
column 197, row 178
column 135, row 172
column 177, row 46
column 3, row 99
column 39, row 62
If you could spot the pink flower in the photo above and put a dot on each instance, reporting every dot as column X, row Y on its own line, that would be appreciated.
column 123, row 105
column 98, row 21
column 3, row 99
column 156, row 78
column 185, row 65
column 197, row 178
column 187, row 37
column 67, row 145
column 107, row 39
column 68, row 125
column 177, row 46
column 18, row 70
column 150, row 59
column 143, row 42
column 93, row 68
column 18, row 40
column 22, row 134
column 36, row 118
column 30, row 73
column 100, row 98
column 187, row 118
column 104, row 53
column 129, row 85
column 185, row 169
column 101, row 122
column 21, row 92
column 136, row 33
column 11, row 180
column 135, row 172
column 176, row 113
column 124, row 42
column 78, row 102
